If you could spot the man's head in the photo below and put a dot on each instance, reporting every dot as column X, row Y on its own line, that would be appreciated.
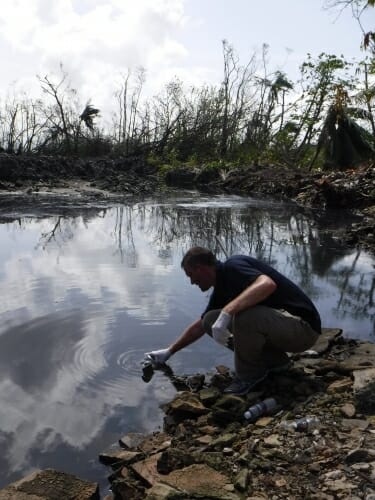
column 199, row 265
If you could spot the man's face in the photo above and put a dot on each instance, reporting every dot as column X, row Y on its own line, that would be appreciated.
column 201, row 275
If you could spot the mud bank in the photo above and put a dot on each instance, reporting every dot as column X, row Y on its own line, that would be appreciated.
column 350, row 190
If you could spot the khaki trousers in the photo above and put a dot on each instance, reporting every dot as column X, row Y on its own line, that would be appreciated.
column 262, row 336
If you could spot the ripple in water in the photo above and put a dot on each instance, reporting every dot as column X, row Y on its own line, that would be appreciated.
column 118, row 374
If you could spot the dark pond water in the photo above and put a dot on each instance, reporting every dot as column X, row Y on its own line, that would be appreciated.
column 86, row 290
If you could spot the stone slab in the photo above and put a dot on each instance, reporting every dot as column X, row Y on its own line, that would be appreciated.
column 50, row 484
column 147, row 469
column 200, row 480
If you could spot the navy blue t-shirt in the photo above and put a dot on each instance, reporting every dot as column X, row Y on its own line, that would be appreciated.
column 239, row 271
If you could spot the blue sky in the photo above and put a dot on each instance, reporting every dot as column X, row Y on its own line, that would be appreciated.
column 98, row 40
column 291, row 28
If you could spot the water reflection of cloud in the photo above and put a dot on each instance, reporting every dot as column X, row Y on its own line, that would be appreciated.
column 50, row 364
column 85, row 262
column 44, row 387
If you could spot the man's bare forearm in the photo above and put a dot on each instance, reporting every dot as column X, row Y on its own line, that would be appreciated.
column 192, row 333
column 262, row 288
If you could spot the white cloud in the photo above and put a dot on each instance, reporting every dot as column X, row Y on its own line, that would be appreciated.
column 96, row 40
column 93, row 40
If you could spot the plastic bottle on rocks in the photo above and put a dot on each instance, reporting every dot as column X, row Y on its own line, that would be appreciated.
column 263, row 408
column 305, row 424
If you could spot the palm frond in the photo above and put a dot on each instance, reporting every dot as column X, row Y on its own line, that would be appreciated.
column 88, row 115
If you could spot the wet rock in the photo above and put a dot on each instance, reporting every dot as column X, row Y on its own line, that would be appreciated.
column 186, row 403
column 364, row 389
column 131, row 440
column 117, row 457
column 50, row 484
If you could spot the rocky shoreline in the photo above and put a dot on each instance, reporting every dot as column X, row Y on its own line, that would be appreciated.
column 208, row 450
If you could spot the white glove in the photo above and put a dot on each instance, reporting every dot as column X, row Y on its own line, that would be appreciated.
column 219, row 329
column 159, row 357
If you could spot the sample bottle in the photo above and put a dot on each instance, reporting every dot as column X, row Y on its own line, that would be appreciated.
column 259, row 409
column 305, row 424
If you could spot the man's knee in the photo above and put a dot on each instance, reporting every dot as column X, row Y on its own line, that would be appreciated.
column 209, row 319
column 251, row 318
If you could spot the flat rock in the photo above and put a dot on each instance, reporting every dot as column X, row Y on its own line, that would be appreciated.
column 131, row 440
column 200, row 479
column 158, row 441
column 147, row 469
column 50, row 484
column 187, row 402
column 119, row 457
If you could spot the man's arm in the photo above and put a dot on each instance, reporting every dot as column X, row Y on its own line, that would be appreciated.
column 258, row 291
column 192, row 333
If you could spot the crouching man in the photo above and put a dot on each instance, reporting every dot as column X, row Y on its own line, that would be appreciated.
column 253, row 309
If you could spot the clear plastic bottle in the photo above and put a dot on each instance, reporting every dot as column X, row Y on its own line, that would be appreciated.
column 259, row 409
column 305, row 424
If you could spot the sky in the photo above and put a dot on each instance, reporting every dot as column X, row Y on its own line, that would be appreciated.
column 97, row 41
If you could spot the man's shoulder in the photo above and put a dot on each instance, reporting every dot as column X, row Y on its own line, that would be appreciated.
column 236, row 260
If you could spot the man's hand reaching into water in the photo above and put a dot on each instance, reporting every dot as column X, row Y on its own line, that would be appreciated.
column 158, row 357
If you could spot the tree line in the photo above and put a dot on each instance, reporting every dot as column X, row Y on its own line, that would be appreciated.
column 254, row 115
